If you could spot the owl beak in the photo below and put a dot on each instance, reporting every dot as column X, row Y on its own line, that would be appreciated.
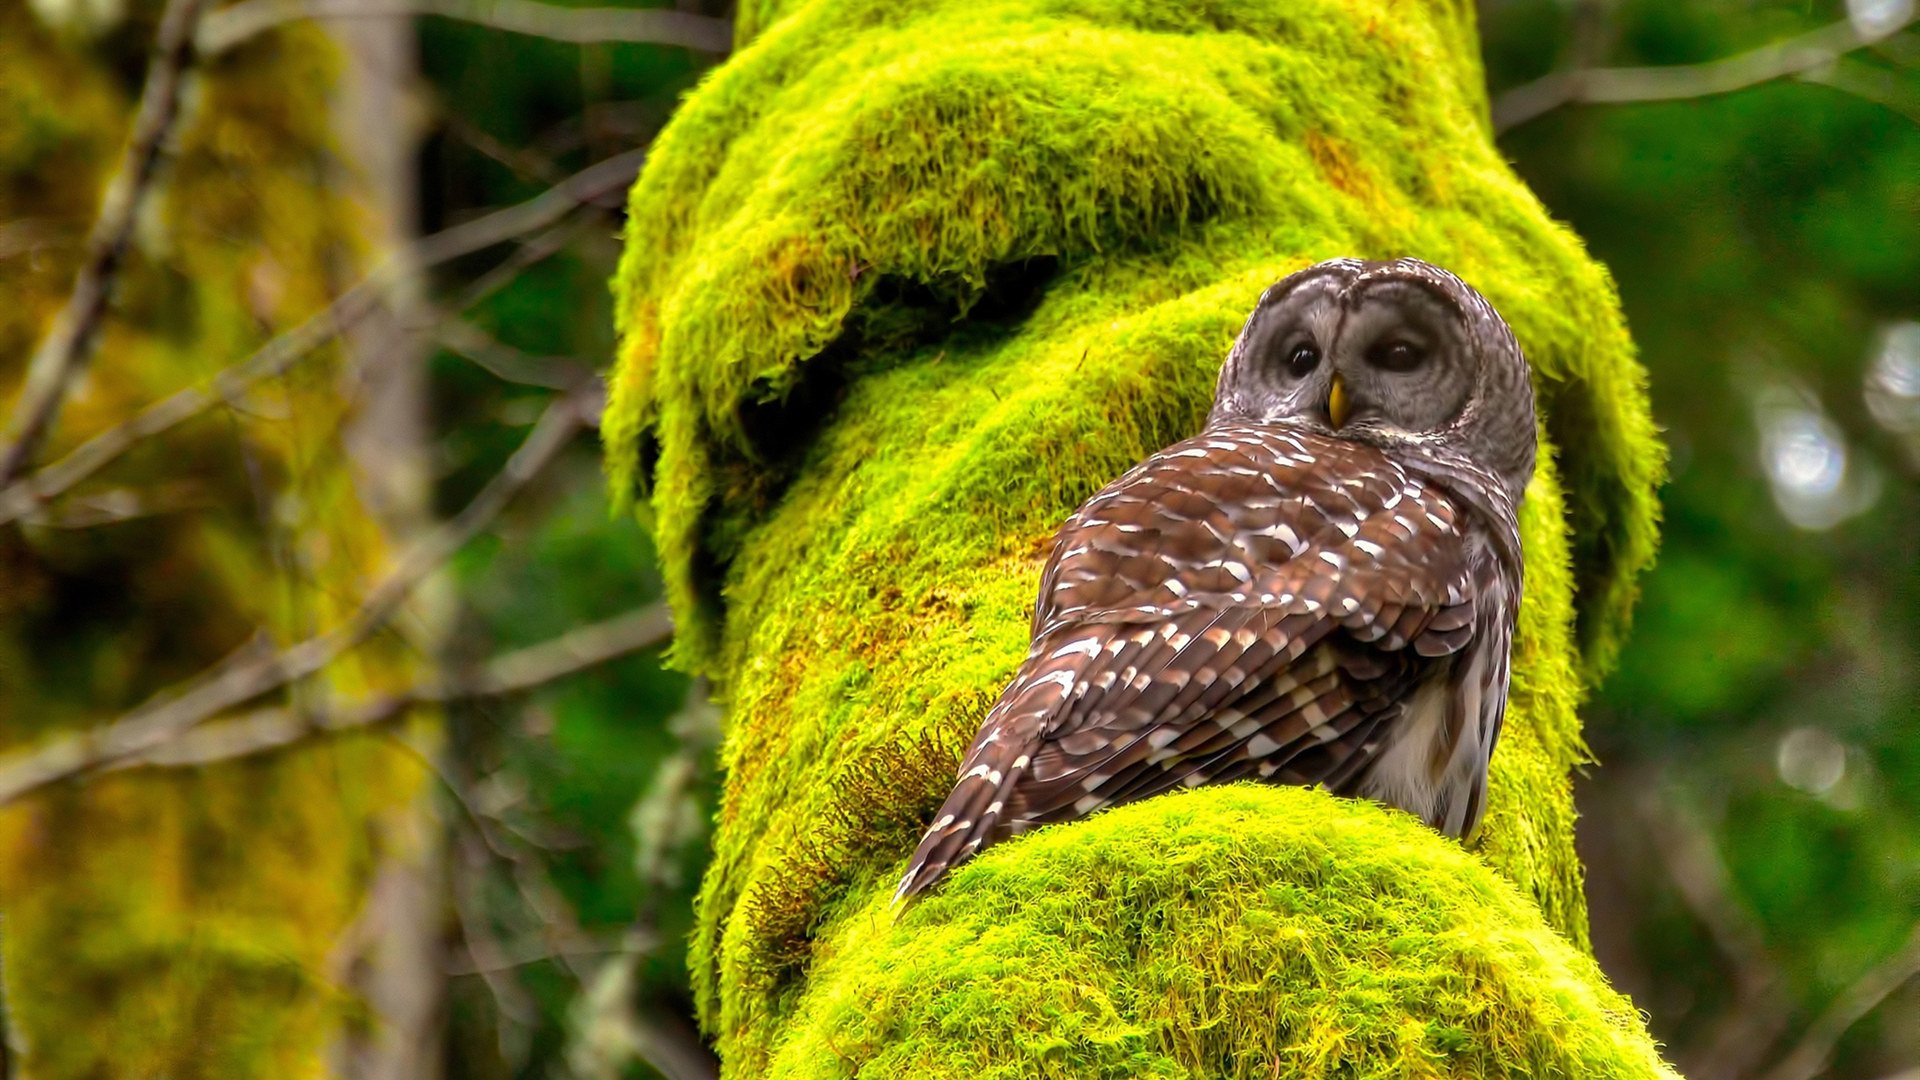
column 1338, row 405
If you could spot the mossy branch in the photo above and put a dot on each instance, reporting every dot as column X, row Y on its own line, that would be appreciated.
column 903, row 284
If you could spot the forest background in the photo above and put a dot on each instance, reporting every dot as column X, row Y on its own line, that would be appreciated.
column 480, row 718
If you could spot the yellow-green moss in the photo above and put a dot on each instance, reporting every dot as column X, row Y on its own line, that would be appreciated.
column 185, row 924
column 1241, row 931
column 905, row 282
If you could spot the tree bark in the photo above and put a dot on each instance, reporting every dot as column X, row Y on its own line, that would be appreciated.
column 395, row 955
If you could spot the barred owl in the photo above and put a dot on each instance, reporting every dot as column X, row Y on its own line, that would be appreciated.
column 1320, row 588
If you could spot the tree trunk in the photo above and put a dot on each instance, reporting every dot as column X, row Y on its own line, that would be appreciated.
column 184, row 923
column 396, row 950
column 906, row 282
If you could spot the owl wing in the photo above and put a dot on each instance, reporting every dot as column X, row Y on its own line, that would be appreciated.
column 1251, row 603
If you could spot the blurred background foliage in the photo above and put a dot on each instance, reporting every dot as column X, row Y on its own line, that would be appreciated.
column 1752, row 829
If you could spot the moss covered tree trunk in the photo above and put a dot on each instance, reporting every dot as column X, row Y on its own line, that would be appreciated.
column 906, row 282
column 189, row 923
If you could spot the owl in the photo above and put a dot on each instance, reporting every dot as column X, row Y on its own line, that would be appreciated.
column 1320, row 588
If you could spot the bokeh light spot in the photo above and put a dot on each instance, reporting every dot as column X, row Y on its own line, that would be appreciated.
column 1811, row 760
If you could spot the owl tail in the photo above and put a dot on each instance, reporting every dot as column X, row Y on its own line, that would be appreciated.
column 971, row 817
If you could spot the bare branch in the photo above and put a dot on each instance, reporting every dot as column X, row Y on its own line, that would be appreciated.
column 674, row 1049
column 25, row 236
column 523, row 162
column 506, row 363
column 1868, row 83
column 1808, row 52
column 68, row 346
column 528, row 252
column 26, row 496
column 1815, row 1052
column 610, row 1030
column 510, row 673
column 657, row 26
column 174, row 711
column 121, row 504
column 591, row 184
column 578, row 650
column 483, row 947
column 519, row 954
column 671, row 1048
column 276, row 356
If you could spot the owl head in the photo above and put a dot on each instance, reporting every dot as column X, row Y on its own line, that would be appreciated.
column 1401, row 354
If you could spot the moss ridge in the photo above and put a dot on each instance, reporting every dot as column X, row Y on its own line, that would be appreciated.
column 1241, row 931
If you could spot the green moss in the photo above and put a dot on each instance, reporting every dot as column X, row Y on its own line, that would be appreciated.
column 1241, row 931
column 905, row 283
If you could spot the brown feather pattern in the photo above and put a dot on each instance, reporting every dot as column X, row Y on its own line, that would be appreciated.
column 1261, row 601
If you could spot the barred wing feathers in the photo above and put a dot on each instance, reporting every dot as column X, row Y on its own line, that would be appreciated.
column 1251, row 603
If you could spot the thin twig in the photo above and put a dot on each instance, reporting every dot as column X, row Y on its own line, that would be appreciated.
column 23, row 497
column 26, row 236
column 1886, row 89
column 1761, row 1009
column 610, row 1029
column 172, row 712
column 523, row 162
column 506, row 363
column 550, row 910
column 66, row 349
column 528, row 252
column 114, row 506
column 588, row 185
column 1799, row 55
column 581, row 26
column 675, row 1051
column 521, row 954
column 489, row 958
column 1815, row 1051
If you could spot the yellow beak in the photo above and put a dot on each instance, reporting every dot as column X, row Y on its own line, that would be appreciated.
column 1337, row 403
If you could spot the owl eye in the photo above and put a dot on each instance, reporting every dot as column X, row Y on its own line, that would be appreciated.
column 1396, row 356
column 1302, row 360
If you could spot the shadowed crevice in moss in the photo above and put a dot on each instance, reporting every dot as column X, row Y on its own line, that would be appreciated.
column 905, row 283
column 777, row 424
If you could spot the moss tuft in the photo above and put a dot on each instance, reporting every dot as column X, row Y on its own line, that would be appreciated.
column 904, row 283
